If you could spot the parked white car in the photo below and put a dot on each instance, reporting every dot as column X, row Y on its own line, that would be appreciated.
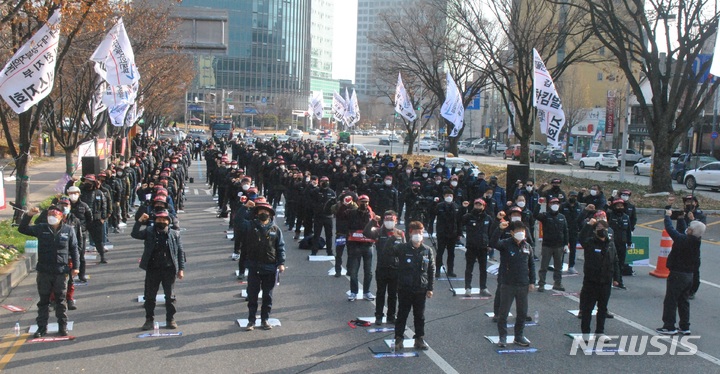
column 425, row 146
column 631, row 155
column 599, row 161
column 707, row 175
column 643, row 166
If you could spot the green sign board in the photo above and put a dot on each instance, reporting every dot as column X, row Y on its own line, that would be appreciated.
column 638, row 254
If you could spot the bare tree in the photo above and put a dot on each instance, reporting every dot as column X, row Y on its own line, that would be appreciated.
column 18, row 29
column 422, row 43
column 661, row 39
column 505, row 33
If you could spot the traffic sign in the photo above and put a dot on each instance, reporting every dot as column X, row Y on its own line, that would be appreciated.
column 714, row 135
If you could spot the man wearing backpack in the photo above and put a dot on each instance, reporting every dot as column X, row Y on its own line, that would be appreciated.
column 263, row 242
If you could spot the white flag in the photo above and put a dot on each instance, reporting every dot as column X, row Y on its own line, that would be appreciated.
column 549, row 107
column 114, row 58
column 349, row 114
column 316, row 105
column 117, row 114
column 453, row 109
column 29, row 75
column 355, row 108
column 715, row 67
column 403, row 105
column 116, row 95
column 338, row 107
column 231, row 107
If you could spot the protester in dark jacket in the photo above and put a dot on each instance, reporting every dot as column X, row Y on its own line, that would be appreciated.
column 382, row 229
column 517, row 278
column 163, row 260
column 416, row 267
column 601, row 271
column 478, row 229
column 683, row 261
column 57, row 246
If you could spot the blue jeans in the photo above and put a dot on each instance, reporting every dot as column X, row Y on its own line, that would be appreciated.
column 356, row 252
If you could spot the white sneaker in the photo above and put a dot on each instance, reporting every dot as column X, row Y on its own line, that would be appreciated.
column 485, row 292
column 571, row 270
column 468, row 292
column 369, row 296
column 235, row 256
column 352, row 297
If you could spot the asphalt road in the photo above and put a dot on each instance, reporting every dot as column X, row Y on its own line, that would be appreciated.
column 312, row 307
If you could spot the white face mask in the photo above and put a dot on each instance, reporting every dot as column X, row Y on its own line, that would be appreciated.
column 408, row 171
column 363, row 172
column 174, row 166
column 521, row 204
column 66, row 209
column 245, row 187
column 307, row 179
column 529, row 188
column 519, row 236
column 425, row 175
column 74, row 197
column 337, row 164
column 625, row 197
column 437, row 181
column 148, row 196
column 593, row 192
column 416, row 238
column 439, row 170
column 52, row 220
column 453, row 183
column 448, row 199
column 554, row 207
column 389, row 224
column 513, row 219
column 388, row 182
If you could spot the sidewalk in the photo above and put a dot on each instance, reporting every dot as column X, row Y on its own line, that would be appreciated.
column 44, row 179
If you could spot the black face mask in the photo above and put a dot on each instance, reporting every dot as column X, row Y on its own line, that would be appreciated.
column 688, row 208
column 478, row 210
column 601, row 233
column 573, row 200
column 324, row 184
column 263, row 217
column 161, row 226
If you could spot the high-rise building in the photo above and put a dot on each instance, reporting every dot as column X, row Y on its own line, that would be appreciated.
column 265, row 68
column 367, row 25
column 321, row 56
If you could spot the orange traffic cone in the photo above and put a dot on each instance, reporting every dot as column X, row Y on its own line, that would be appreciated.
column 661, row 270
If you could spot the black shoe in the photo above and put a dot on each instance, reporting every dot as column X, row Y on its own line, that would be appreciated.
column 148, row 325
column 609, row 315
column 71, row 305
column 338, row 274
column 551, row 268
column 82, row 279
column 330, row 253
column 41, row 331
column 62, row 331
column 391, row 320
column 502, row 342
column 621, row 286
column 314, row 253
column 378, row 321
column 528, row 319
column 692, row 296
column 522, row 341
column 494, row 319
column 451, row 275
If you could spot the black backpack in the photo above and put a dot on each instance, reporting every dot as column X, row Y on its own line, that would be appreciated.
column 306, row 243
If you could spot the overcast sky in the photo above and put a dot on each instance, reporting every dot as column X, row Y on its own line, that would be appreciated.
column 344, row 42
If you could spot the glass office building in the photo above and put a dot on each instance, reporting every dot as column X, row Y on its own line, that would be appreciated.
column 265, row 67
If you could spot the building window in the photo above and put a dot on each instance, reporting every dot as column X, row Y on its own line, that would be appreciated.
column 599, row 76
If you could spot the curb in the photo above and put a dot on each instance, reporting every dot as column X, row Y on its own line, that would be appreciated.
column 17, row 272
column 662, row 211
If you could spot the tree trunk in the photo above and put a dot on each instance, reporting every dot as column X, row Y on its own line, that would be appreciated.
column 69, row 162
column 525, row 151
column 51, row 143
column 660, row 180
column 411, row 142
column 22, row 181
